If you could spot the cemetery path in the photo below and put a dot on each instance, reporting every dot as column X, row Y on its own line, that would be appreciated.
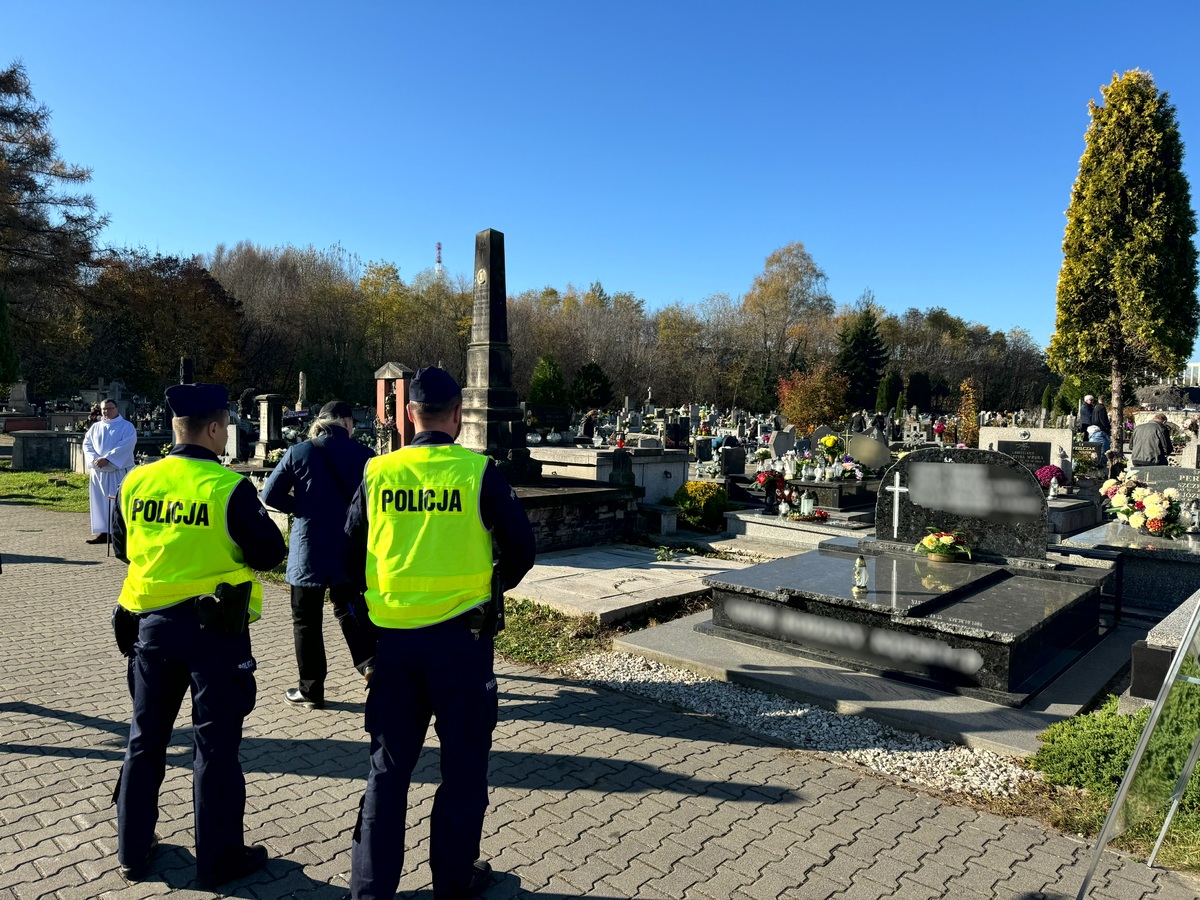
column 594, row 794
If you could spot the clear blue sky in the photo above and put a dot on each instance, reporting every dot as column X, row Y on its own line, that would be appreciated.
column 923, row 150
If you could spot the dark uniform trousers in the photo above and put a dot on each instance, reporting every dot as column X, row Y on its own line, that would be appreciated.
column 443, row 671
column 307, row 611
column 172, row 654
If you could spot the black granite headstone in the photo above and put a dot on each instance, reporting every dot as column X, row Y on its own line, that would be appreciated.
column 992, row 499
column 733, row 461
column 677, row 435
column 1031, row 454
column 1186, row 481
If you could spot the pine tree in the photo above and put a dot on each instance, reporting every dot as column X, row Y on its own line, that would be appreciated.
column 591, row 388
column 1127, row 288
column 862, row 354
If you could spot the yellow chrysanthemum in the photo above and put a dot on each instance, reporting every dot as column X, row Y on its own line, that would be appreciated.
column 1137, row 520
column 947, row 539
column 1139, row 493
column 1171, row 494
column 1153, row 511
column 1111, row 483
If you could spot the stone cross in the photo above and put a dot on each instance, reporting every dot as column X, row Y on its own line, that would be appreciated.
column 895, row 490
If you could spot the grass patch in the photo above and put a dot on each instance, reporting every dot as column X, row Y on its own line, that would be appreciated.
column 1083, row 760
column 539, row 636
column 57, row 490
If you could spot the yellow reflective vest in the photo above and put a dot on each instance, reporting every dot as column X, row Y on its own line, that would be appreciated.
column 429, row 558
column 177, row 541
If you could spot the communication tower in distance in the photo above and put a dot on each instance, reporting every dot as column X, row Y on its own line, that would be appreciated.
column 438, row 266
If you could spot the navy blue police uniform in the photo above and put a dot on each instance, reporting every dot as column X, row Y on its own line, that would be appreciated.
column 443, row 671
column 171, row 650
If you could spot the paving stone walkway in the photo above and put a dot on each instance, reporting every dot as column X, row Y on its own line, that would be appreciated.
column 594, row 794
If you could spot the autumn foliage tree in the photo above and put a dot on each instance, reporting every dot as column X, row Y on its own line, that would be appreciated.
column 968, row 413
column 1127, row 288
column 812, row 398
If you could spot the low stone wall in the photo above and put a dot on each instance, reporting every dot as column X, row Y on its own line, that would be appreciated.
column 565, row 516
column 660, row 473
column 11, row 423
column 41, row 450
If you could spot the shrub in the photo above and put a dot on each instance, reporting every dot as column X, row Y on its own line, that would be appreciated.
column 1090, row 751
column 702, row 504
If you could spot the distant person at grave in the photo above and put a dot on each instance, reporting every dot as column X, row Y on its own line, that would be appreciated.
column 192, row 532
column 588, row 429
column 939, row 429
column 1100, row 417
column 1150, row 444
column 1096, row 436
column 1089, row 414
column 314, row 482
column 421, row 530
column 858, row 422
column 107, row 456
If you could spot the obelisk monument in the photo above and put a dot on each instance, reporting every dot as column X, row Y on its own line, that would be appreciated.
column 492, row 417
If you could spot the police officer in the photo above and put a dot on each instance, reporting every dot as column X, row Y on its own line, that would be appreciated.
column 423, row 523
column 191, row 531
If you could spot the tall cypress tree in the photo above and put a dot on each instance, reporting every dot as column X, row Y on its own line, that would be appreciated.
column 862, row 354
column 1127, row 287
column 889, row 391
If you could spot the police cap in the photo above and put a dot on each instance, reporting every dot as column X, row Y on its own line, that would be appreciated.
column 196, row 399
column 337, row 409
column 433, row 385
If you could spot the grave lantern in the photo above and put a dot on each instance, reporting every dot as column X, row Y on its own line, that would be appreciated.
column 808, row 503
column 860, row 575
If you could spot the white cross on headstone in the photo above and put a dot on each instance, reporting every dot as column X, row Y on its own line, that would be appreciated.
column 895, row 490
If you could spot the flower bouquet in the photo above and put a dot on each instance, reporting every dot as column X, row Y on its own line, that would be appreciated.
column 851, row 469
column 1149, row 511
column 773, row 485
column 943, row 546
column 818, row 515
column 833, row 448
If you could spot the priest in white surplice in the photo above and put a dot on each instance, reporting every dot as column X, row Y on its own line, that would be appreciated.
column 107, row 455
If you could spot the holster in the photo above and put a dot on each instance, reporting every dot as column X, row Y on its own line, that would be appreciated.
column 488, row 619
column 125, row 629
column 495, row 613
column 227, row 609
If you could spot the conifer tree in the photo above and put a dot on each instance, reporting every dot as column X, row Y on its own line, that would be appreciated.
column 1127, row 288
column 547, row 384
column 862, row 354
column 889, row 391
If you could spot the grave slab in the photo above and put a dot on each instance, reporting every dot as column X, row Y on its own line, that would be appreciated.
column 969, row 721
column 1159, row 574
column 977, row 629
column 615, row 582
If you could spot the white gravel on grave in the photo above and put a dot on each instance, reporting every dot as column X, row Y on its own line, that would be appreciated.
column 898, row 754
